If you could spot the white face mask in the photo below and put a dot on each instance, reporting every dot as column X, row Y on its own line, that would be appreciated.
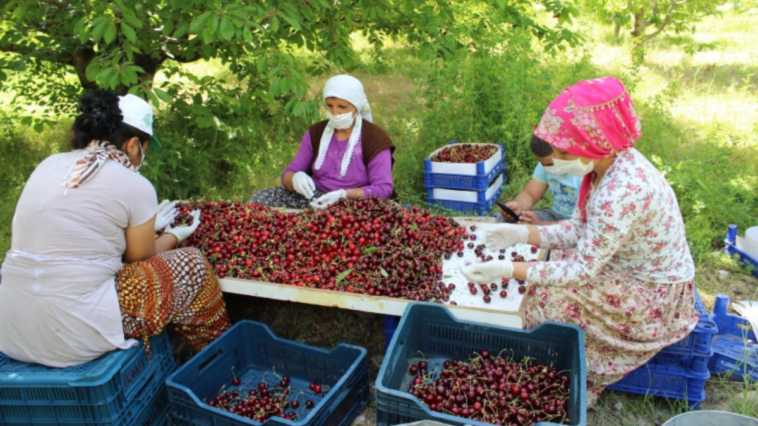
column 342, row 121
column 554, row 171
column 142, row 161
column 573, row 167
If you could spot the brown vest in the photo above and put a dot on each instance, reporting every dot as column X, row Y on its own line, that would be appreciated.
column 373, row 141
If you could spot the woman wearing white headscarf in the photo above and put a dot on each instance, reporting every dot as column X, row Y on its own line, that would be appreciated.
column 346, row 156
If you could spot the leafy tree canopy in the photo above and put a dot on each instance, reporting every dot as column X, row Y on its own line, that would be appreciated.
column 122, row 44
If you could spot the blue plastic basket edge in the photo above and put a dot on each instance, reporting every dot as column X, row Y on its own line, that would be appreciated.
column 363, row 353
column 380, row 388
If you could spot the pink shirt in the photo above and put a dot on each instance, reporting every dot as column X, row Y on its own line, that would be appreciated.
column 376, row 179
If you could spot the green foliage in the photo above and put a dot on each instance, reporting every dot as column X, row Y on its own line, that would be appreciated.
column 122, row 45
column 492, row 98
column 711, row 191
column 647, row 19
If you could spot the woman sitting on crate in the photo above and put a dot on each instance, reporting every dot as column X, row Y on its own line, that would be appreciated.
column 67, row 297
column 629, row 280
column 346, row 156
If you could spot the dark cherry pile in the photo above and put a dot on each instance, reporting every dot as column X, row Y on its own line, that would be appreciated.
column 263, row 402
column 183, row 218
column 465, row 153
column 493, row 389
column 370, row 246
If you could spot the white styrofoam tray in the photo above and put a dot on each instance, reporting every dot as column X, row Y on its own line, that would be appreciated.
column 468, row 169
column 467, row 196
column 462, row 296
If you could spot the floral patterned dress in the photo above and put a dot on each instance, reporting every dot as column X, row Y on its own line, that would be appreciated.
column 628, row 280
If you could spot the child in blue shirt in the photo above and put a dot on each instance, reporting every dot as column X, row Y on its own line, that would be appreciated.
column 564, row 187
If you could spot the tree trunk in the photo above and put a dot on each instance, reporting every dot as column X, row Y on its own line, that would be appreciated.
column 617, row 31
column 638, row 37
column 639, row 24
column 80, row 61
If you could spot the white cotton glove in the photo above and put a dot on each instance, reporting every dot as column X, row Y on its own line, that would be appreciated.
column 183, row 232
column 505, row 236
column 165, row 215
column 303, row 184
column 487, row 272
column 328, row 199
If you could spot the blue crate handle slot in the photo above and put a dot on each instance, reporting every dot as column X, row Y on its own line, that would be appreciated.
column 210, row 359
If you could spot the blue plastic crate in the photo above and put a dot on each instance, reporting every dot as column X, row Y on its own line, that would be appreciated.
column 479, row 182
column 732, row 250
column 98, row 414
column 699, row 343
column 668, row 376
column 735, row 346
column 431, row 330
column 98, row 391
column 156, row 413
column 481, row 208
column 256, row 353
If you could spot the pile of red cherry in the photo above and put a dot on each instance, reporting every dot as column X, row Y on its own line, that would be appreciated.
column 370, row 246
column 464, row 153
column 263, row 402
column 493, row 389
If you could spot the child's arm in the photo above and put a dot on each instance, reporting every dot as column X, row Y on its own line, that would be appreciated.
column 530, row 196
column 530, row 218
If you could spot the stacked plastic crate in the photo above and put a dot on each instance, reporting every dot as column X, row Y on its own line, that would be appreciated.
column 465, row 187
column 734, row 247
column 680, row 370
column 119, row 388
column 735, row 346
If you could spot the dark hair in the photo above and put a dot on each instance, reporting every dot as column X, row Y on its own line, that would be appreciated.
column 540, row 148
column 101, row 119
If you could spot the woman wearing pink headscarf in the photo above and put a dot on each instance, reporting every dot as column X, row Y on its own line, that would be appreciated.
column 628, row 279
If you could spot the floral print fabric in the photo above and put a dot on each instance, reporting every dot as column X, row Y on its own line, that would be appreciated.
column 627, row 278
column 634, row 228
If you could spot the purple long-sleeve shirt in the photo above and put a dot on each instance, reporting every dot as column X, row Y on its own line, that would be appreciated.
column 376, row 179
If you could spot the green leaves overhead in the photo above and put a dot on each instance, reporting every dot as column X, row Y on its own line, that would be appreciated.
column 121, row 45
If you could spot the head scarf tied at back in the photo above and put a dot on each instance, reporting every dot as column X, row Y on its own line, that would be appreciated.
column 593, row 119
column 350, row 89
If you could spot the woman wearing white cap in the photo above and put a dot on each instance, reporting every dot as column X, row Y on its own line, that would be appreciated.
column 346, row 156
column 85, row 274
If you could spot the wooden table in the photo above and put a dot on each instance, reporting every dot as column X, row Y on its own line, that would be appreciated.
column 389, row 306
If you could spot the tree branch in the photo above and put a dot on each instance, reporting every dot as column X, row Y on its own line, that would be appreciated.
column 57, row 3
column 14, row 48
column 61, row 57
column 666, row 21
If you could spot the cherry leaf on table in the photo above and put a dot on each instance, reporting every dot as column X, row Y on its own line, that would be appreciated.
column 344, row 274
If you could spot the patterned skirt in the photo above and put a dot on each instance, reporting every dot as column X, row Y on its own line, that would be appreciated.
column 625, row 321
column 177, row 287
column 281, row 198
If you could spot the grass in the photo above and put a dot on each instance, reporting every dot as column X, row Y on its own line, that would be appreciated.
column 699, row 105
